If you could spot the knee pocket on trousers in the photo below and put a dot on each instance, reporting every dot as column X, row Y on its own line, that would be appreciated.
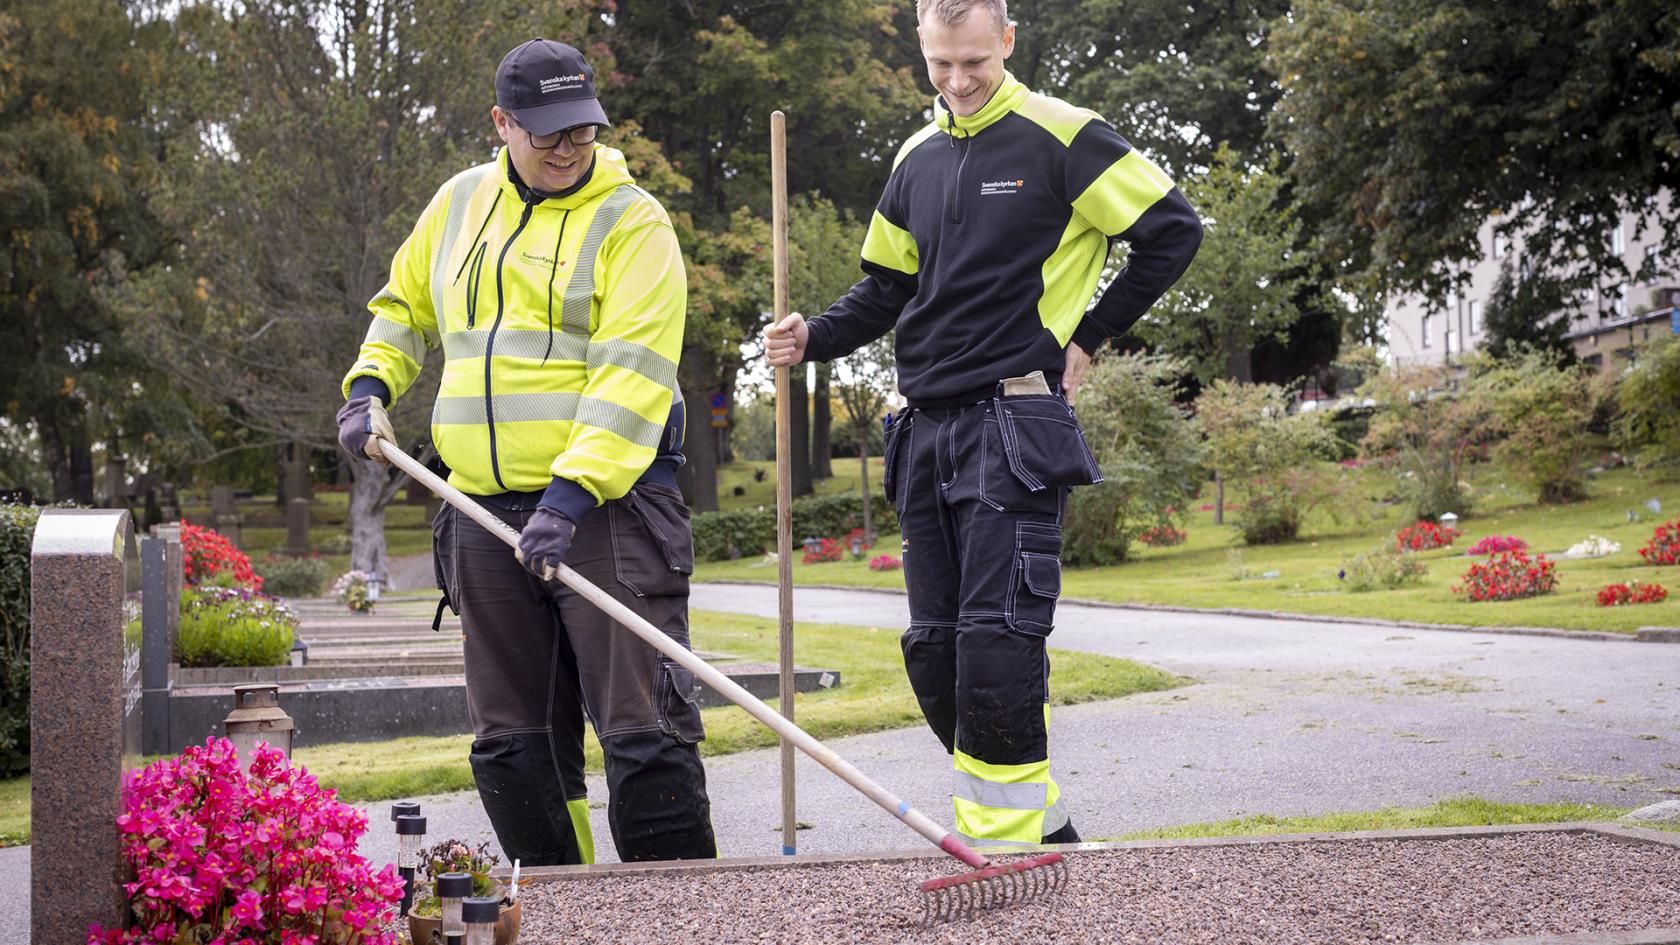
column 677, row 698
column 1035, row 580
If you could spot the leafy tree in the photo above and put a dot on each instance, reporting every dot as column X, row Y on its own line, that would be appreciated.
column 1413, row 121
column 1241, row 288
column 1273, row 459
column 77, row 160
column 1148, row 451
column 1648, row 421
column 1423, row 419
column 1542, row 412
column 866, row 379
column 1523, row 314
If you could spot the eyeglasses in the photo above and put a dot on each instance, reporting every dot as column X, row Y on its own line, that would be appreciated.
column 582, row 136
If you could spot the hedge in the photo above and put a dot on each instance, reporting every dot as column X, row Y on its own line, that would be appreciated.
column 721, row 536
column 17, row 531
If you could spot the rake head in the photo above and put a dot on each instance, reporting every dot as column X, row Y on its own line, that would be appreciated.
column 993, row 887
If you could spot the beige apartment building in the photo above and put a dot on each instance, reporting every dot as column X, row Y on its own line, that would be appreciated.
column 1605, row 324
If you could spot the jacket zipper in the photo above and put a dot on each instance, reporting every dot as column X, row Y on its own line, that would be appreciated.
column 490, row 345
column 955, row 202
column 476, row 258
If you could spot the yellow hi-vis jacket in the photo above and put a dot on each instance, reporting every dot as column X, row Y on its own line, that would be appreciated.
column 561, row 323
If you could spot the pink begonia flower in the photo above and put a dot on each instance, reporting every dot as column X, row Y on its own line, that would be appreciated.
column 247, row 911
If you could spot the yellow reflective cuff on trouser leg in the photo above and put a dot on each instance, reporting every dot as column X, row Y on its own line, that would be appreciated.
column 579, row 809
column 1005, row 804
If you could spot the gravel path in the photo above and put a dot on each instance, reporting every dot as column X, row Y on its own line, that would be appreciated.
column 1299, row 894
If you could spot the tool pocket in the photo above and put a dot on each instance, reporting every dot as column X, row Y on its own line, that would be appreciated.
column 896, row 443
column 678, row 701
column 1035, row 578
column 653, row 546
column 1043, row 443
column 444, row 559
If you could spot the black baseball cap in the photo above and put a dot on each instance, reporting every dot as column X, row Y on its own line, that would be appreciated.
column 547, row 86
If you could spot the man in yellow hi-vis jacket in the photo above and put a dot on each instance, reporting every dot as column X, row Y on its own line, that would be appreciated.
column 555, row 287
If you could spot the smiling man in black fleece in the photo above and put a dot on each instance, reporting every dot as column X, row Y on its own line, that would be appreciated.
column 983, row 253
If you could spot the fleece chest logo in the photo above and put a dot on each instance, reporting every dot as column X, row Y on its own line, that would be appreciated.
column 990, row 187
column 540, row 260
column 560, row 83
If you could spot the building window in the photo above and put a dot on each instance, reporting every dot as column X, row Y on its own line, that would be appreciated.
column 1475, row 316
column 1501, row 245
column 1618, row 240
column 1620, row 304
column 1428, row 341
column 1654, row 262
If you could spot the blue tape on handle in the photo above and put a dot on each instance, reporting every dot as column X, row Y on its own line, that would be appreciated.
column 903, row 808
column 788, row 851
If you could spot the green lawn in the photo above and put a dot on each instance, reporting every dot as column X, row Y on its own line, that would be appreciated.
column 873, row 696
column 755, row 492
column 1199, row 572
column 1455, row 812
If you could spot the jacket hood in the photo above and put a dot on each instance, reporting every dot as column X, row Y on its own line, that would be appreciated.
column 609, row 172
column 1009, row 96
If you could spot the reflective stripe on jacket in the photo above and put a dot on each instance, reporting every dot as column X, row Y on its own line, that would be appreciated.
column 560, row 320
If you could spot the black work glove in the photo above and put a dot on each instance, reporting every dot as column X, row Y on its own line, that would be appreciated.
column 544, row 542
column 359, row 421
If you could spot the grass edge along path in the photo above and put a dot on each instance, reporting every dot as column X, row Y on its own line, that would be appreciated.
column 1467, row 811
column 873, row 696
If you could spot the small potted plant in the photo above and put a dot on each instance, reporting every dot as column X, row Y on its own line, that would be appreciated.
column 425, row 916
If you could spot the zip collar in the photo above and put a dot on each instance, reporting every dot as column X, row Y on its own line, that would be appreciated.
column 608, row 171
column 1008, row 97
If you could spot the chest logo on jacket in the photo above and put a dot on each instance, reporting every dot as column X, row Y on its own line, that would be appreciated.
column 990, row 187
column 540, row 260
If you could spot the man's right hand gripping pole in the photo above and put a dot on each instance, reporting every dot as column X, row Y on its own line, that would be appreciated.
column 784, row 342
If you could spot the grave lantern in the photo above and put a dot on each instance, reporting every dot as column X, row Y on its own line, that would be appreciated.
column 373, row 588
column 479, row 915
column 402, row 808
column 451, row 889
column 411, row 837
column 1449, row 520
column 257, row 717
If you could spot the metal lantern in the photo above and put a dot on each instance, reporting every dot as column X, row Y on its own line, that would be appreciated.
column 479, row 915
column 373, row 588
column 257, row 717
column 411, row 838
column 1449, row 520
column 451, row 889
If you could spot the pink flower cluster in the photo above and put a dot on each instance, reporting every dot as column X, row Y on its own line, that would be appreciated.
column 885, row 563
column 268, row 859
column 1494, row 544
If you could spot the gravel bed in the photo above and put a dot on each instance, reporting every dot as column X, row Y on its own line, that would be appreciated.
column 1294, row 893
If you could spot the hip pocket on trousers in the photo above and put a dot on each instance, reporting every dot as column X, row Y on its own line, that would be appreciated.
column 1044, row 444
column 1035, row 580
column 653, row 545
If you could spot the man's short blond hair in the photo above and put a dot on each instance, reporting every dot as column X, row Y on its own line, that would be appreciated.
column 952, row 12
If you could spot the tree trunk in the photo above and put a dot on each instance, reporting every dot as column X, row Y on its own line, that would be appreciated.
column 367, row 517
column 869, row 535
column 822, row 427
column 282, row 461
column 799, row 432
column 81, row 468
column 726, row 435
column 698, row 476
column 1218, row 499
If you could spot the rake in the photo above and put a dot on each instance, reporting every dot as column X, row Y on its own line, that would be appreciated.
column 989, row 885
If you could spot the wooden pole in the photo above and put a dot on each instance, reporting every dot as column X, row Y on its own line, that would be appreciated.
column 784, row 468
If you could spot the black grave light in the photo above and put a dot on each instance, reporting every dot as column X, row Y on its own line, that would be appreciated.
column 479, row 915
column 411, row 839
column 404, row 808
column 451, row 889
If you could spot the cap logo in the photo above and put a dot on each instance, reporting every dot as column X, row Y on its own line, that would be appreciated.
column 560, row 83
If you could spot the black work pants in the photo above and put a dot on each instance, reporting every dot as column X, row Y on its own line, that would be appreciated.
column 539, row 658
column 979, row 492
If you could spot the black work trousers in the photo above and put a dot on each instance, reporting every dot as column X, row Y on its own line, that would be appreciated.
column 979, row 492
column 539, row 658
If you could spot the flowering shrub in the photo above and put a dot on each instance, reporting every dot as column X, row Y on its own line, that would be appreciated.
column 229, row 626
column 826, row 550
column 209, row 558
column 856, row 543
column 1596, row 546
column 1613, row 595
column 1508, row 575
column 885, row 563
column 288, row 576
column 222, row 857
column 1424, row 535
column 1162, row 536
column 351, row 589
column 1382, row 567
column 1664, row 546
column 1493, row 544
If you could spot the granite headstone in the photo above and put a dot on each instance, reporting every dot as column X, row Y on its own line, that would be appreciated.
column 85, row 725
column 224, row 512
column 297, row 526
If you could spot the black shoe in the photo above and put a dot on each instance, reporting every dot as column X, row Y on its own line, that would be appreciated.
column 1066, row 834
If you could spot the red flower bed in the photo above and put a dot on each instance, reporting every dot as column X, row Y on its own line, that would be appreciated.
column 1162, row 536
column 1508, row 575
column 885, row 563
column 1424, row 535
column 827, row 550
column 1664, row 546
column 206, row 553
column 1616, row 595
